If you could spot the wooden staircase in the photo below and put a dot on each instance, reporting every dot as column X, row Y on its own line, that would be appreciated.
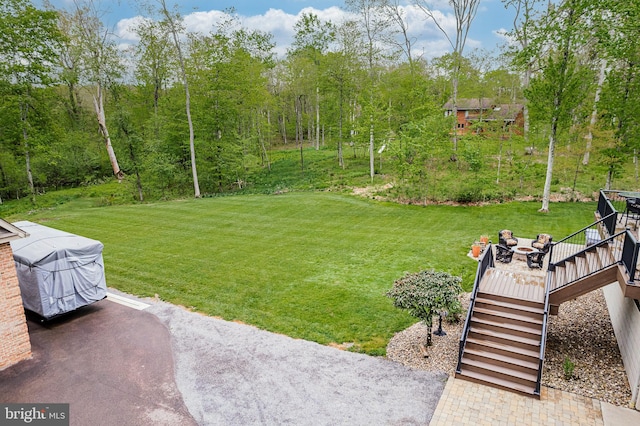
column 580, row 275
column 506, row 325
column 502, row 348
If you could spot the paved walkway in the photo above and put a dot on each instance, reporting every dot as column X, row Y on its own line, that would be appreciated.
column 468, row 403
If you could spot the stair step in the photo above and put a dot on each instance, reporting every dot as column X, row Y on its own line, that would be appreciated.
column 570, row 271
column 508, row 339
column 478, row 377
column 500, row 372
column 502, row 348
column 605, row 256
column 507, row 328
column 558, row 279
column 531, row 366
column 509, row 302
column 499, row 305
column 510, row 318
column 582, row 268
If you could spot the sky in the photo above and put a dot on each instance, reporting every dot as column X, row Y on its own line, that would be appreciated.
column 279, row 17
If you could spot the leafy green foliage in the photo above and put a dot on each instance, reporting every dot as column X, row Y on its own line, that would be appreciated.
column 568, row 367
column 427, row 293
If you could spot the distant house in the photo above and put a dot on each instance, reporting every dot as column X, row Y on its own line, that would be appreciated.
column 484, row 110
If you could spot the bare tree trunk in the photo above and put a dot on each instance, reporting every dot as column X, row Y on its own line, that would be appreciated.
column 185, row 83
column 525, row 109
column 284, row 128
column 317, row 118
column 265, row 155
column 98, row 104
column 27, row 156
column 371, row 150
column 454, row 100
column 340, row 120
column 594, row 113
column 546, row 193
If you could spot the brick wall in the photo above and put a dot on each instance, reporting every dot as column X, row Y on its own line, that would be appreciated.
column 625, row 318
column 14, row 334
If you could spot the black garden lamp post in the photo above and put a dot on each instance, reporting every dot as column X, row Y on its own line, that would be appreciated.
column 440, row 331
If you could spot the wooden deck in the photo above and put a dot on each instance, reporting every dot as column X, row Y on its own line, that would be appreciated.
column 515, row 279
column 517, row 285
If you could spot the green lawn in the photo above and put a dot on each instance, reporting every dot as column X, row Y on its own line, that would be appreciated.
column 313, row 266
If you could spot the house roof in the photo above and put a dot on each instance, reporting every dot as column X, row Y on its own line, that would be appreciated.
column 470, row 103
column 9, row 232
column 506, row 112
column 486, row 109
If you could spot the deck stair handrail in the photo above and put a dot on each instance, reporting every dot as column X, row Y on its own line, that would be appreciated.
column 543, row 341
column 485, row 262
column 629, row 256
column 607, row 209
column 594, row 264
column 567, row 247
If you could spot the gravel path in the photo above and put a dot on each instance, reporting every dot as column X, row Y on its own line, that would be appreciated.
column 581, row 331
column 235, row 374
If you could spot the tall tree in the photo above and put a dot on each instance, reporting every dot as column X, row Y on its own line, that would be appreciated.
column 92, row 45
column 29, row 41
column 464, row 11
column 398, row 16
column 525, row 12
column 619, row 38
column 153, row 55
column 311, row 41
column 555, row 91
column 375, row 25
column 173, row 21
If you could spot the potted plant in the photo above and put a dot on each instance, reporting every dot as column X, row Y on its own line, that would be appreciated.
column 476, row 248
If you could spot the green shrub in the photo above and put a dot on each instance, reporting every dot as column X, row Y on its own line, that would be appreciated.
column 568, row 366
column 425, row 294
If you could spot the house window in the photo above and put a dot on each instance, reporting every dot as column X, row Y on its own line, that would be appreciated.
column 460, row 125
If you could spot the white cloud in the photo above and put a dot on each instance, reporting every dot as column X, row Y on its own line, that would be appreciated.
column 503, row 34
column 429, row 40
column 125, row 28
column 203, row 22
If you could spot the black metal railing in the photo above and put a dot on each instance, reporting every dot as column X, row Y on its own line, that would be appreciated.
column 627, row 251
column 575, row 243
column 629, row 256
column 543, row 340
column 611, row 201
column 485, row 262
column 590, row 261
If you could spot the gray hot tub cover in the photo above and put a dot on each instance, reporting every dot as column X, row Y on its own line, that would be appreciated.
column 57, row 271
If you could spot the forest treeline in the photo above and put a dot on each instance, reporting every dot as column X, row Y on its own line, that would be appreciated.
column 195, row 114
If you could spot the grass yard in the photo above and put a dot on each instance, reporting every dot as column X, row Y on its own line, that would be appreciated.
column 313, row 266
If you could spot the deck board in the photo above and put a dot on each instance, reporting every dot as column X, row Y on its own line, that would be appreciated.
column 513, row 284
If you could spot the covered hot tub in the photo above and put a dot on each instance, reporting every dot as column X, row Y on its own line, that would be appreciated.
column 58, row 272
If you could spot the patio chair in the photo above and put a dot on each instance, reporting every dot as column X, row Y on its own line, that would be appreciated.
column 535, row 259
column 542, row 242
column 507, row 239
column 632, row 211
column 503, row 254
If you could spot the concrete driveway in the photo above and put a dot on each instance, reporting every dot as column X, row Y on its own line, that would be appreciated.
column 165, row 365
